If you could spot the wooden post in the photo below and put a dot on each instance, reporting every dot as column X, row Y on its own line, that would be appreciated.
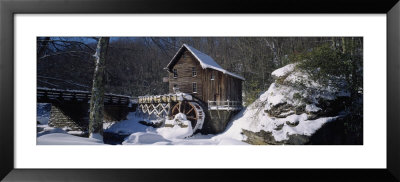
column 169, row 114
column 180, row 104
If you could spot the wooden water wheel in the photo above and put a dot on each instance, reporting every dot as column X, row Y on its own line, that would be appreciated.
column 193, row 111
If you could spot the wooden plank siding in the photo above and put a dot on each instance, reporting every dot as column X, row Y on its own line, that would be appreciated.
column 223, row 87
column 185, row 79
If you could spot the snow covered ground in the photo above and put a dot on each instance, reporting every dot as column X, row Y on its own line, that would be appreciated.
column 57, row 136
column 252, row 118
column 139, row 134
column 66, row 139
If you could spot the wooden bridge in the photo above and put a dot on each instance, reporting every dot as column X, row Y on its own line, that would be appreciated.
column 71, row 102
column 51, row 95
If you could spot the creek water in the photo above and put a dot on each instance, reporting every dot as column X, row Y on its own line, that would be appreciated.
column 114, row 138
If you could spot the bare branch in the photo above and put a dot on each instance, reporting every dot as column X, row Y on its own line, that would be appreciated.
column 70, row 42
column 67, row 52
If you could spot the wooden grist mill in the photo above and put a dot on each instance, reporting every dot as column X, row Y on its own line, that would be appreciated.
column 200, row 89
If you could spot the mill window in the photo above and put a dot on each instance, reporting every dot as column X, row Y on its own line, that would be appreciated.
column 194, row 87
column 212, row 76
column 194, row 73
column 175, row 73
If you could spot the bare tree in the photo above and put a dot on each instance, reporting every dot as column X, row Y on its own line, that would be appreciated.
column 97, row 99
column 56, row 46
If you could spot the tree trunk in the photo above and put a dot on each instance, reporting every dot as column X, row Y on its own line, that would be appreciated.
column 344, row 45
column 333, row 43
column 354, row 66
column 275, row 55
column 97, row 99
column 42, row 48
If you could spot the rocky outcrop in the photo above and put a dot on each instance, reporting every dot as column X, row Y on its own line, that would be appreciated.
column 265, row 138
column 331, row 133
column 326, row 108
column 297, row 109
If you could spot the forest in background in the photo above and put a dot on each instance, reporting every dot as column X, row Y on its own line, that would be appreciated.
column 135, row 65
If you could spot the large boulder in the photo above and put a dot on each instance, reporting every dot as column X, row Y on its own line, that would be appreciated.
column 294, row 108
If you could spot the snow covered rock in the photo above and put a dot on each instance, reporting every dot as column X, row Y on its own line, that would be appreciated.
column 179, row 120
column 179, row 127
column 293, row 109
column 284, row 71
column 294, row 91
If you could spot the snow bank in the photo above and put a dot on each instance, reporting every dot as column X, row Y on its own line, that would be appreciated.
column 76, row 132
column 175, row 132
column 65, row 139
column 58, row 136
column 175, row 135
column 45, row 129
column 141, row 134
column 145, row 138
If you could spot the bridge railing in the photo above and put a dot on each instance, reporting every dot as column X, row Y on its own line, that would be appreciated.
column 164, row 98
column 51, row 95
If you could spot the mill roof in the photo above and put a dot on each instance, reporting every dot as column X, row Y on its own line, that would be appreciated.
column 204, row 60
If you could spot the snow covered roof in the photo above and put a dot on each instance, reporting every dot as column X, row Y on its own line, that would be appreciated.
column 204, row 60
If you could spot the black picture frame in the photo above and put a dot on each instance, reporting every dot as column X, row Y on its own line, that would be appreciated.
column 8, row 8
